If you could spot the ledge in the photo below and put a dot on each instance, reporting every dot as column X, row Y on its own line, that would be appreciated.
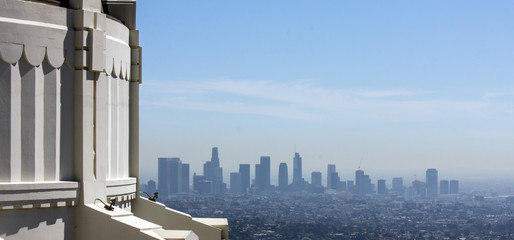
column 123, row 189
column 22, row 195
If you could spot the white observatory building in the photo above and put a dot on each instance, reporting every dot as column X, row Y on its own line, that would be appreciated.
column 69, row 126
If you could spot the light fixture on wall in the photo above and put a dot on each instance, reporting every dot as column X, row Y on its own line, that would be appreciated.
column 155, row 195
column 107, row 206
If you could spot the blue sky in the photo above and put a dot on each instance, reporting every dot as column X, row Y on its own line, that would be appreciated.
column 402, row 85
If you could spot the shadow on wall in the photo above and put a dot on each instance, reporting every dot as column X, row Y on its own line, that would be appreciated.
column 35, row 223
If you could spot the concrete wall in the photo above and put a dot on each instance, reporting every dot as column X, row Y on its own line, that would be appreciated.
column 48, row 223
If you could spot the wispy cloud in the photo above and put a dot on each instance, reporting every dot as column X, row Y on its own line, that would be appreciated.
column 305, row 100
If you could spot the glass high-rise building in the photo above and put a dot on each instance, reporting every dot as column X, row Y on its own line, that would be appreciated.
column 316, row 179
column 444, row 187
column 244, row 170
column 360, row 182
column 297, row 167
column 236, row 183
column 432, row 183
column 381, row 187
column 454, row 186
column 282, row 177
column 262, row 174
column 185, row 177
column 398, row 185
column 331, row 168
column 169, row 176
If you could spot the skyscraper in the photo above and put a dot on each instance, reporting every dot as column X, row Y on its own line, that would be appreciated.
column 185, row 177
column 381, row 187
column 316, row 179
column 282, row 177
column 334, row 180
column 359, row 182
column 444, row 187
column 454, row 186
column 297, row 167
column 330, row 169
column 244, row 170
column 258, row 177
column 214, row 173
column 262, row 177
column 398, row 185
column 236, row 183
column 175, row 177
column 169, row 176
column 162, row 177
column 431, row 183
column 212, row 169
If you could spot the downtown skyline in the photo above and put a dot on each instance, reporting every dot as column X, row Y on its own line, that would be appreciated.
column 404, row 86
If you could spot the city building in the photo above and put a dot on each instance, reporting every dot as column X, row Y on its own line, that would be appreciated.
column 282, row 177
column 244, row 170
column 431, row 183
column 316, row 179
column 454, row 186
column 262, row 174
column 398, row 187
column 316, row 186
column 213, row 173
column 381, row 187
column 69, row 127
column 362, row 183
column 330, row 169
column 171, row 178
column 297, row 168
column 334, row 180
column 185, row 177
column 236, row 183
column 444, row 187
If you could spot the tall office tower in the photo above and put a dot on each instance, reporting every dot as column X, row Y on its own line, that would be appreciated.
column 265, row 171
column 236, row 183
column 297, row 167
column 367, row 187
column 432, row 183
column 316, row 179
column 334, row 180
column 282, row 177
column 444, row 187
column 163, row 177
column 212, row 170
column 419, row 190
column 214, row 158
column 381, row 187
column 175, row 177
column 214, row 173
column 258, row 177
column 169, row 176
column 244, row 170
column 330, row 169
column 454, row 186
column 398, row 185
column 359, row 183
column 185, row 177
